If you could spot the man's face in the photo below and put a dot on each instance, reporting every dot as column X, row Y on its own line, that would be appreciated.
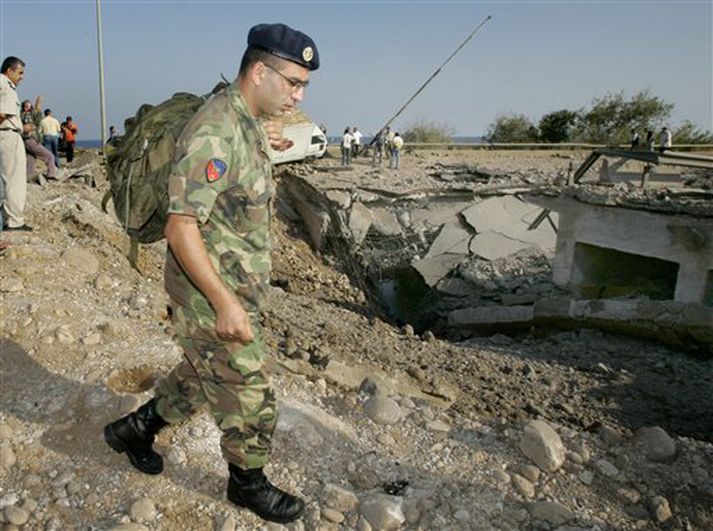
column 283, row 87
column 16, row 74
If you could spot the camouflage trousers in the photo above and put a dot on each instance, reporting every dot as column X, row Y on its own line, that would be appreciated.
column 230, row 378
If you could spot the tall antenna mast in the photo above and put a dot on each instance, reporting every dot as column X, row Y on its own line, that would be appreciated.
column 438, row 71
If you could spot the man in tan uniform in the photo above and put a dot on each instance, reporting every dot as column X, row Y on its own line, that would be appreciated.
column 12, row 149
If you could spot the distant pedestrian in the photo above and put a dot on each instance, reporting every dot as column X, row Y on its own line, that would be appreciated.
column 635, row 139
column 396, row 144
column 112, row 133
column 347, row 141
column 49, row 131
column 13, row 170
column 378, row 148
column 388, row 140
column 650, row 140
column 69, row 135
column 31, row 117
column 356, row 145
column 665, row 140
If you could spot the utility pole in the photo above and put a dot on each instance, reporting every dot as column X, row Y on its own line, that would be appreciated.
column 438, row 71
column 102, row 101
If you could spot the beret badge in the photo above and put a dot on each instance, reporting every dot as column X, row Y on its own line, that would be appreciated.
column 307, row 54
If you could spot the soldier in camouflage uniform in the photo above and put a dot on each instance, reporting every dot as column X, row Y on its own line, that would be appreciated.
column 217, row 271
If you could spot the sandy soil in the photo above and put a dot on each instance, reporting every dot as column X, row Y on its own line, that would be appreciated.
column 84, row 337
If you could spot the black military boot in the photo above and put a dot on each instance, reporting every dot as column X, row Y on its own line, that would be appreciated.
column 252, row 490
column 134, row 434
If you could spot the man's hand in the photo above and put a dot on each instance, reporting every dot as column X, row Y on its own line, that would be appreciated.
column 233, row 323
column 273, row 128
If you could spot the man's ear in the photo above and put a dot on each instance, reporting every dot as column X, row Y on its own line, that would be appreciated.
column 258, row 73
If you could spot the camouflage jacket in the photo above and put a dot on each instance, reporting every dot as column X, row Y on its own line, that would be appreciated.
column 223, row 177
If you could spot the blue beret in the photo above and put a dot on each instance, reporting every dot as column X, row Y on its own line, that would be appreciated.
column 283, row 41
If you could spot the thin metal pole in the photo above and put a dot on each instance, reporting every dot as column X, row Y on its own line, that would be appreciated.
column 438, row 71
column 102, row 101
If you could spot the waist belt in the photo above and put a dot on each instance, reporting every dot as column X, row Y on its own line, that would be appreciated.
column 9, row 129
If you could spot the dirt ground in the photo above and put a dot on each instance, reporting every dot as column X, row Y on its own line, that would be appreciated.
column 84, row 337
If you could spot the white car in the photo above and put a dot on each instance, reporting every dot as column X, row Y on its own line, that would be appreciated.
column 309, row 143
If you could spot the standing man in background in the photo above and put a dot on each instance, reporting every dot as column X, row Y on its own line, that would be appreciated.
column 218, row 270
column 49, row 131
column 356, row 145
column 665, row 140
column 396, row 144
column 378, row 148
column 69, row 134
column 13, row 171
column 347, row 147
column 635, row 139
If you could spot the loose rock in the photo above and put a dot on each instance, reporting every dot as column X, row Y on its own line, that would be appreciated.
column 542, row 445
column 552, row 512
column 383, row 512
column 657, row 444
column 660, row 509
column 143, row 510
column 16, row 515
column 382, row 410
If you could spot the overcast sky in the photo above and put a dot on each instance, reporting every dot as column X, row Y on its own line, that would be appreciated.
column 533, row 57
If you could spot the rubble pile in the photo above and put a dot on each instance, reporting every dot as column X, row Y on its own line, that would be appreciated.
column 380, row 427
column 446, row 219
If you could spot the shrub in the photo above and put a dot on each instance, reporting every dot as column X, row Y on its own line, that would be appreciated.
column 428, row 133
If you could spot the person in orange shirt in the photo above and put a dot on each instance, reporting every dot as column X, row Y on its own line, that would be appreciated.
column 69, row 135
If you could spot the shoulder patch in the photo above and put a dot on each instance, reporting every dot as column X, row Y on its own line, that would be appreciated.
column 215, row 169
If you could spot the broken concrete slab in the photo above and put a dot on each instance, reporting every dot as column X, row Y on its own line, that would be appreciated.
column 456, row 287
column 623, row 170
column 360, row 220
column 437, row 213
column 453, row 238
column 493, row 245
column 310, row 208
column 385, row 222
column 682, row 325
column 614, row 246
column 435, row 268
column 674, row 323
column 490, row 315
column 342, row 199
column 497, row 212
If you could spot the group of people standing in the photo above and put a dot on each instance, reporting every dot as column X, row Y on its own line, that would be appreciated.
column 26, row 134
column 43, row 136
column 384, row 141
column 351, row 145
column 665, row 140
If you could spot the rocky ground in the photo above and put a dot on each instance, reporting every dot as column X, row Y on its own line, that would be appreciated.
column 380, row 428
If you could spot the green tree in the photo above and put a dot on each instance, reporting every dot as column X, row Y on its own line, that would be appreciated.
column 512, row 128
column 428, row 133
column 612, row 117
column 688, row 133
column 557, row 126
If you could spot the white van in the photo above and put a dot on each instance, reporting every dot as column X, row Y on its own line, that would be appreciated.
column 309, row 143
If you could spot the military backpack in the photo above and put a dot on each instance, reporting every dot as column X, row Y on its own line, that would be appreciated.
column 140, row 161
